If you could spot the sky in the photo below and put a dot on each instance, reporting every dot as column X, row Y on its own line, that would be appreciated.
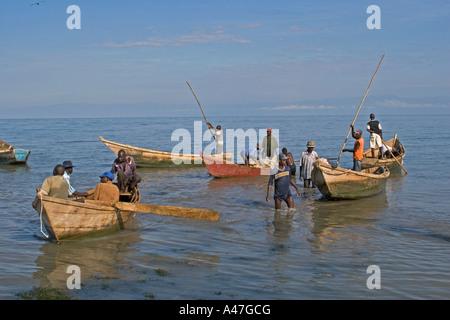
column 245, row 57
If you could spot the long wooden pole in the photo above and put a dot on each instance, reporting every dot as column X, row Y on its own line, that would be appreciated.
column 406, row 172
column 200, row 107
column 182, row 212
column 367, row 91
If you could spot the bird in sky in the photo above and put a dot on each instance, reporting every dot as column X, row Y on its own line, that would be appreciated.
column 37, row 3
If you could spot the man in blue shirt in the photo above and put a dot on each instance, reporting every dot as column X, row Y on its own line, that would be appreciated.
column 282, row 179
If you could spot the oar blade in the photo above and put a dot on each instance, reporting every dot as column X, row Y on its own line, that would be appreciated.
column 182, row 212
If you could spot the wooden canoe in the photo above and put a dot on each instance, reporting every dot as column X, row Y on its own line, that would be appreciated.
column 222, row 169
column 11, row 155
column 388, row 161
column 340, row 183
column 68, row 219
column 152, row 158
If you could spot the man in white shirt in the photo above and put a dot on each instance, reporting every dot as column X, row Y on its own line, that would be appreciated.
column 68, row 169
column 218, row 136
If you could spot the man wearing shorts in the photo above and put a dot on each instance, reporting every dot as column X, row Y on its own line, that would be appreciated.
column 374, row 127
column 282, row 179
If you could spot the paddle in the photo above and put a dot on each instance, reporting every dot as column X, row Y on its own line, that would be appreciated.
column 367, row 91
column 406, row 172
column 200, row 107
column 182, row 212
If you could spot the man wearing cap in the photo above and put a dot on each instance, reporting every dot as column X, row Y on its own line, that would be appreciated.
column 307, row 161
column 269, row 145
column 282, row 180
column 68, row 169
column 106, row 190
column 127, row 178
column 357, row 149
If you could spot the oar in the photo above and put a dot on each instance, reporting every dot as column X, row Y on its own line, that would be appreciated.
column 367, row 91
column 198, row 102
column 395, row 158
column 182, row 212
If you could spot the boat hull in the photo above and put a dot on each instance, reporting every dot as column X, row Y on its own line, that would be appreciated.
column 11, row 155
column 67, row 219
column 152, row 158
column 224, row 169
column 339, row 183
column 390, row 163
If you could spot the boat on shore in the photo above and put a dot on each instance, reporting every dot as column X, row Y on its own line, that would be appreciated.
column 70, row 219
column 11, row 155
column 339, row 183
column 152, row 158
column 222, row 169
column 388, row 161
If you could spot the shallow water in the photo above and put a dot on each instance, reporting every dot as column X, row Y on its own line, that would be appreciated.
column 319, row 250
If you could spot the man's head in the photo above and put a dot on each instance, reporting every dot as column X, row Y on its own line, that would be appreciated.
column 122, row 155
column 219, row 127
column 358, row 133
column 107, row 176
column 372, row 116
column 282, row 159
column 269, row 132
column 68, row 166
column 58, row 170
column 284, row 150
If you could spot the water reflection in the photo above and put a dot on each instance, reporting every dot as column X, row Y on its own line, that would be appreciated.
column 330, row 219
column 98, row 258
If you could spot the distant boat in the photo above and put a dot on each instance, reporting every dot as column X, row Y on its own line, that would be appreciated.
column 152, row 158
column 340, row 183
column 223, row 169
column 389, row 161
column 67, row 219
column 11, row 155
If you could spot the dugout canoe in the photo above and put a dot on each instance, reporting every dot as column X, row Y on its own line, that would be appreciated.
column 340, row 183
column 71, row 219
column 153, row 158
column 11, row 155
column 387, row 161
column 222, row 168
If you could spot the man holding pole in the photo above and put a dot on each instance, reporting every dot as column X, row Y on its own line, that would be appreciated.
column 357, row 149
column 374, row 127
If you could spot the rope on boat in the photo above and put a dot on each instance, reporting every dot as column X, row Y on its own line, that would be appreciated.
column 41, row 194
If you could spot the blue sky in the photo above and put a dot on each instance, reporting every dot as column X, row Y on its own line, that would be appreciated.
column 241, row 57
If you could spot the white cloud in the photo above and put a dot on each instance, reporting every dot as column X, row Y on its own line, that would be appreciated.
column 300, row 107
column 193, row 38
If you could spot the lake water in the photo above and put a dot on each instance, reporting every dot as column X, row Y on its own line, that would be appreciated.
column 320, row 250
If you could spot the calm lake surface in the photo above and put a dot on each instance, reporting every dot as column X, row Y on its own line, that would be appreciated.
column 319, row 250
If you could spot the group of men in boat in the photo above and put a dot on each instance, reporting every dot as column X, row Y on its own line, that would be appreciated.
column 58, row 185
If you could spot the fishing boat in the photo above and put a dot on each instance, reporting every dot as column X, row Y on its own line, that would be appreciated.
column 340, row 183
column 222, row 168
column 68, row 219
column 11, row 155
column 388, row 160
column 152, row 158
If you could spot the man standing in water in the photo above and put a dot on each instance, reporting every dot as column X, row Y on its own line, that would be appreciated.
column 269, row 145
column 307, row 161
column 218, row 136
column 290, row 161
column 357, row 149
column 282, row 179
column 374, row 127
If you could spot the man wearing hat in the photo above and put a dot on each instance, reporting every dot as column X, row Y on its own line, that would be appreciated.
column 269, row 145
column 68, row 169
column 282, row 179
column 307, row 161
column 357, row 149
column 106, row 190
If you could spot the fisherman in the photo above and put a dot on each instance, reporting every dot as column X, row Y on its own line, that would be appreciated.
column 357, row 149
column 282, row 179
column 127, row 178
column 307, row 161
column 105, row 190
column 290, row 161
column 269, row 145
column 252, row 154
column 55, row 186
column 68, row 170
column 376, row 136
column 218, row 136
